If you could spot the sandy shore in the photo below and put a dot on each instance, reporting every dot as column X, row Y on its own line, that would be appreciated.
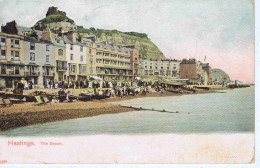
column 161, row 148
column 25, row 114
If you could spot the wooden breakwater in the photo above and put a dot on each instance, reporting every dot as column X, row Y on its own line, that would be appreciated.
column 152, row 109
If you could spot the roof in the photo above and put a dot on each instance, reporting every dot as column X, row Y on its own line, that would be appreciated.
column 68, row 41
column 22, row 29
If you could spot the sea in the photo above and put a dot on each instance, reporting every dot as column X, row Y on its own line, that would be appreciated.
column 226, row 111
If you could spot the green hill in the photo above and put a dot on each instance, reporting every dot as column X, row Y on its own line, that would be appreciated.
column 144, row 45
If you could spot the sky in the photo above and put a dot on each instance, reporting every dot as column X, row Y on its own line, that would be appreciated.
column 222, row 31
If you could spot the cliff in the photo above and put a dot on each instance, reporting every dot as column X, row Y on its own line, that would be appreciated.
column 146, row 48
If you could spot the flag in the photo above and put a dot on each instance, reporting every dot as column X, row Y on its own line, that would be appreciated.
column 205, row 58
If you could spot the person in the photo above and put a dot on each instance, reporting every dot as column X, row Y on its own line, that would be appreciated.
column 26, row 87
column 49, row 84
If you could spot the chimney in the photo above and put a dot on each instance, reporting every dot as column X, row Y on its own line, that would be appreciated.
column 72, row 36
column 46, row 35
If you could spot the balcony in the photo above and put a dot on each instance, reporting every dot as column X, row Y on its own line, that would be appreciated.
column 48, row 74
column 62, row 68
column 30, row 73
column 12, row 73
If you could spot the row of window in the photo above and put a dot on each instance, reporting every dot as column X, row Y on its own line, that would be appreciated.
column 73, row 68
column 72, row 46
column 32, row 46
column 72, row 57
column 157, row 67
column 32, row 57
column 14, row 43
column 14, row 55
column 160, row 63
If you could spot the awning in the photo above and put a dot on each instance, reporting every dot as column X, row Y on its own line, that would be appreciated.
column 115, row 67
column 48, row 65
column 32, row 64
column 12, row 63
column 95, row 77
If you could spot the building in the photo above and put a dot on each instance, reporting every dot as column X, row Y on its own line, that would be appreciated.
column 134, row 55
column 207, row 69
column 39, row 60
column 193, row 70
column 12, row 59
column 12, row 55
column 164, row 69
column 108, row 61
column 75, row 57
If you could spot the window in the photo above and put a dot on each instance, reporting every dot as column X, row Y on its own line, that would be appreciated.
column 3, row 54
column 135, row 58
column 81, row 48
column 98, row 60
column 32, row 56
column 81, row 58
column 3, row 69
column 16, row 45
column 98, row 46
column 145, row 66
column 73, row 68
column 122, row 64
column 60, row 51
column 16, row 55
column 32, row 46
column 71, row 56
column 114, row 63
column 47, row 58
column 71, row 47
column 16, row 70
column 12, row 43
column 47, row 48
column 161, row 67
column 151, row 67
column 2, row 41
column 99, row 53
column 156, row 67
column 107, row 61
column 89, row 51
column 12, row 55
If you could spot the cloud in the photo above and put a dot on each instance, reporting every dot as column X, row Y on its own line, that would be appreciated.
column 193, row 28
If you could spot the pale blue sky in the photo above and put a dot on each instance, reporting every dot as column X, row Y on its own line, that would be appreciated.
column 223, row 30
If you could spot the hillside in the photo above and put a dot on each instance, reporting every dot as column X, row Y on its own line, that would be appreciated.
column 144, row 45
column 56, row 21
column 219, row 75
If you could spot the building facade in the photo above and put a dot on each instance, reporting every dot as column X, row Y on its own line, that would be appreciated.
column 166, row 69
column 193, row 70
column 12, row 59
column 39, row 61
column 107, row 61
column 75, row 57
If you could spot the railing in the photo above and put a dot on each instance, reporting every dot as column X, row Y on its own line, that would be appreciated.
column 48, row 74
column 30, row 73
column 62, row 68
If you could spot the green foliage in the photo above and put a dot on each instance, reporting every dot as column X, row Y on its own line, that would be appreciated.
column 144, row 45
column 57, row 18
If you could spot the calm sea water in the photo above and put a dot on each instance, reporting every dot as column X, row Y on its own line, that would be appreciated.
column 229, row 112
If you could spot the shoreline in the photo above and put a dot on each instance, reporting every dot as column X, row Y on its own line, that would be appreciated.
column 45, row 114
column 26, row 114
